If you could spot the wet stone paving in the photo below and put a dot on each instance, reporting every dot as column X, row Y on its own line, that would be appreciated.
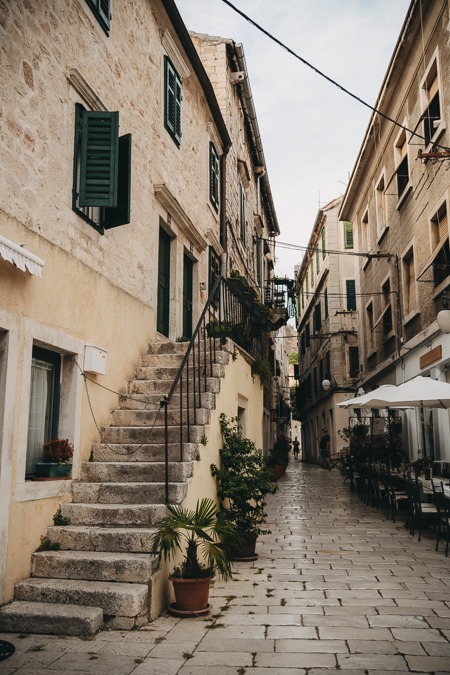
column 337, row 587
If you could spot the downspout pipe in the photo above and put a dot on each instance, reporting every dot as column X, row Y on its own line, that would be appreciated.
column 223, row 199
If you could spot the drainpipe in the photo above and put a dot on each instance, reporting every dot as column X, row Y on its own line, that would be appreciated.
column 223, row 199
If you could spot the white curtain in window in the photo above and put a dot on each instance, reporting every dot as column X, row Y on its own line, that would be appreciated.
column 39, row 416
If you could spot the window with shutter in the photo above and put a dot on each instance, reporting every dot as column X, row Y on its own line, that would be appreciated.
column 348, row 234
column 172, row 101
column 242, row 214
column 102, row 11
column 213, row 176
column 323, row 244
column 102, row 169
column 430, row 96
column 440, row 239
column 353, row 362
column 402, row 171
column 99, row 158
column 350, row 291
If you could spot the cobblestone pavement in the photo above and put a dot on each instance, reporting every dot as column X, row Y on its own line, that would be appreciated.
column 336, row 586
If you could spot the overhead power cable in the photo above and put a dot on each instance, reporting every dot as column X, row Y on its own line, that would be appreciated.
column 329, row 79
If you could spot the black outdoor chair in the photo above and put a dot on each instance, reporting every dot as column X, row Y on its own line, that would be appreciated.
column 443, row 518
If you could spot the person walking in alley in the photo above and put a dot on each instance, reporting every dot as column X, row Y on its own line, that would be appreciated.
column 324, row 447
column 296, row 447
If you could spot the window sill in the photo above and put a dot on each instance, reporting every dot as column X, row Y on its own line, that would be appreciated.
column 371, row 354
column 412, row 315
column 213, row 210
column 389, row 335
column 436, row 137
column 403, row 196
column 31, row 490
column 382, row 234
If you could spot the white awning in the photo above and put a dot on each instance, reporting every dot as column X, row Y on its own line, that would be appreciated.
column 20, row 257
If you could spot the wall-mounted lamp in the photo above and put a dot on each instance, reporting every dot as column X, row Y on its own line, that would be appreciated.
column 443, row 317
column 328, row 383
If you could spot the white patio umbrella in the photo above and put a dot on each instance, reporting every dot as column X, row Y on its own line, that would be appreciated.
column 421, row 391
column 378, row 398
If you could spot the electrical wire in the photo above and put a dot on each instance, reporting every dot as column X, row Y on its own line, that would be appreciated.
column 329, row 79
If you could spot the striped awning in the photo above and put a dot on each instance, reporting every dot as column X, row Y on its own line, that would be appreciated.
column 20, row 257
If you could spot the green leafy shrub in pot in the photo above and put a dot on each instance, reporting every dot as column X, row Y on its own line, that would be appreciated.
column 244, row 481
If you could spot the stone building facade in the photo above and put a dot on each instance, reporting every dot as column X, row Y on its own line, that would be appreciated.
column 398, row 201
column 327, row 326
column 114, row 215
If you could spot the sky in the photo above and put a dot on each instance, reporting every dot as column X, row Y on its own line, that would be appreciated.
column 311, row 131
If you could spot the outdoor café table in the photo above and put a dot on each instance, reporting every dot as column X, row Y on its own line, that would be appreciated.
column 427, row 488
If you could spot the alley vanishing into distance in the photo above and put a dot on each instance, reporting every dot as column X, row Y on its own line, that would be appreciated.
column 337, row 586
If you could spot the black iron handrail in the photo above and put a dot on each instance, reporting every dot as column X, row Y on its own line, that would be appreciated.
column 224, row 316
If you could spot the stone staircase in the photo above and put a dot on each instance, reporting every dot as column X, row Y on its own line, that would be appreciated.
column 102, row 574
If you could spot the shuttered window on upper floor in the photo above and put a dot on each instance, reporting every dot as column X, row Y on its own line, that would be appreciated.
column 102, row 169
column 348, row 234
column 172, row 101
column 213, row 176
column 102, row 11
column 350, row 292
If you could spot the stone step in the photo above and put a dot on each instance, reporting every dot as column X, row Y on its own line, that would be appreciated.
column 146, row 418
column 85, row 538
column 94, row 566
column 140, row 472
column 44, row 617
column 171, row 360
column 138, row 452
column 149, row 435
column 115, row 599
column 127, row 493
column 113, row 515
column 169, row 373
column 167, row 347
column 162, row 387
column 151, row 401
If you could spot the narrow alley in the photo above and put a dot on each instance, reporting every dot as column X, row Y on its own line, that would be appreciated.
column 336, row 586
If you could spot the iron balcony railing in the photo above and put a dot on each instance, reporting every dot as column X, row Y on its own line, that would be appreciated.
column 225, row 315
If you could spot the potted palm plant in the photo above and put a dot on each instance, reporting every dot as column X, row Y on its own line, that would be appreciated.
column 202, row 531
column 56, row 459
column 244, row 482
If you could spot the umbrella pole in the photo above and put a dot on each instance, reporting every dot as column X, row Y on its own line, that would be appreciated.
column 424, row 434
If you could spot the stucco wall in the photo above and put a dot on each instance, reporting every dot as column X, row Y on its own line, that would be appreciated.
column 237, row 388
column 95, row 289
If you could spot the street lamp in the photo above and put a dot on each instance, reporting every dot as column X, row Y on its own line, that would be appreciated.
column 327, row 383
column 443, row 317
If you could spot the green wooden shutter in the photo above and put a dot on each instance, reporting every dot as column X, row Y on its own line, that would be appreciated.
column 213, row 176
column 348, row 234
column 121, row 214
column 323, row 243
column 173, row 97
column 351, row 294
column 104, row 11
column 99, row 158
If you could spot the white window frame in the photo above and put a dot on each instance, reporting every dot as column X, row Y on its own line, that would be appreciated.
column 70, row 406
column 381, row 206
column 406, row 292
column 425, row 100
column 401, row 150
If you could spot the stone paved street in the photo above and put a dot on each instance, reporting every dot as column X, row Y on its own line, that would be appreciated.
column 336, row 587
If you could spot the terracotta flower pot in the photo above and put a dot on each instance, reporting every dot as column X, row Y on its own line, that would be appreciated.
column 191, row 595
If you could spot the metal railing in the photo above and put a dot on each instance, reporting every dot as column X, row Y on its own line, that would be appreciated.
column 224, row 316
